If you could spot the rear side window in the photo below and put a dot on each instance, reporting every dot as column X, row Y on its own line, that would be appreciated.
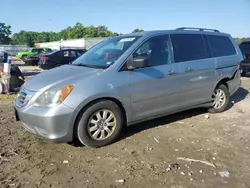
column 60, row 53
column 73, row 54
column 221, row 46
column 157, row 50
column 188, row 47
column 79, row 53
column 34, row 50
column 65, row 53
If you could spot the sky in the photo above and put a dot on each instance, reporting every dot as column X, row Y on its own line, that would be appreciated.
column 230, row 16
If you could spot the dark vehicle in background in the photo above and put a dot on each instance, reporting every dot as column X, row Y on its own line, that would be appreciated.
column 245, row 65
column 3, row 56
column 34, row 58
column 60, row 57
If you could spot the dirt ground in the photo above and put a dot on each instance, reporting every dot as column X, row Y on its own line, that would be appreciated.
column 142, row 156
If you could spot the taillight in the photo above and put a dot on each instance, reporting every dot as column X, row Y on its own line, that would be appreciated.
column 44, row 58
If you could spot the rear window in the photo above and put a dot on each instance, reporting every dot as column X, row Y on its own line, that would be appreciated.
column 221, row 46
column 245, row 47
column 188, row 47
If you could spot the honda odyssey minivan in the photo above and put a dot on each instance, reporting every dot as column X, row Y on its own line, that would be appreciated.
column 129, row 79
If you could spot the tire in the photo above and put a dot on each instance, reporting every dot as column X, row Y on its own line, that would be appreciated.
column 33, row 63
column 83, row 125
column 27, row 62
column 243, row 73
column 225, row 104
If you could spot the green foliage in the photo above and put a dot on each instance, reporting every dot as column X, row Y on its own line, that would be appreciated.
column 240, row 40
column 24, row 37
column 77, row 31
column 5, row 33
column 137, row 30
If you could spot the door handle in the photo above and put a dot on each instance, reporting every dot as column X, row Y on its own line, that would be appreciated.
column 171, row 72
column 188, row 69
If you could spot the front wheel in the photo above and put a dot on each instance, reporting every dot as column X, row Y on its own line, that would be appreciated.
column 100, row 124
column 220, row 99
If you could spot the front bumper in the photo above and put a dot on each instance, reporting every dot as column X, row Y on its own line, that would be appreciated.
column 54, row 124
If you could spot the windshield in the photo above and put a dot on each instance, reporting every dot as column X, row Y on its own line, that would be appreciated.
column 105, row 53
column 245, row 48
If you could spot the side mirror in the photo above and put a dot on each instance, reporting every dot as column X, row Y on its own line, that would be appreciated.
column 140, row 62
column 137, row 62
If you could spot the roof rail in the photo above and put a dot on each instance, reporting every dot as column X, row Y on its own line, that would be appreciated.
column 194, row 28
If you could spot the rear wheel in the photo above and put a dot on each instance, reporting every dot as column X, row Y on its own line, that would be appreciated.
column 100, row 124
column 23, row 58
column 34, row 62
column 220, row 99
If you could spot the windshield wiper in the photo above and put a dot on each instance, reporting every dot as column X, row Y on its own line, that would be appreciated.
column 90, row 66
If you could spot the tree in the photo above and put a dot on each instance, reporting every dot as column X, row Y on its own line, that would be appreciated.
column 238, row 40
column 75, row 32
column 137, row 30
column 115, row 34
column 25, row 37
column 5, row 33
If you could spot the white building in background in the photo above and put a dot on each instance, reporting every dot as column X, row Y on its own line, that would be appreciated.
column 84, row 43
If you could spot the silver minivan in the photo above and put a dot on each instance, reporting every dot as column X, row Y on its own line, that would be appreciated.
column 129, row 79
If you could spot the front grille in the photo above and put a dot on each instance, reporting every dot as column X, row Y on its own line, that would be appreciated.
column 24, row 97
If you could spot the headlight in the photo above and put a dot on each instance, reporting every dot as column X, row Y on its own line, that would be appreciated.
column 53, row 97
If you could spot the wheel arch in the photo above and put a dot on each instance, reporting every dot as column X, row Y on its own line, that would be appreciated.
column 226, row 79
column 115, row 100
column 223, row 81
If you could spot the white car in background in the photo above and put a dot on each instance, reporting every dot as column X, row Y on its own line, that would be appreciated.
column 3, row 56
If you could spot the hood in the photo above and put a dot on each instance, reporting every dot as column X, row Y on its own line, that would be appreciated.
column 55, row 76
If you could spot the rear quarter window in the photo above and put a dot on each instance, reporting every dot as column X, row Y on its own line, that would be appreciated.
column 188, row 47
column 60, row 54
column 221, row 46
